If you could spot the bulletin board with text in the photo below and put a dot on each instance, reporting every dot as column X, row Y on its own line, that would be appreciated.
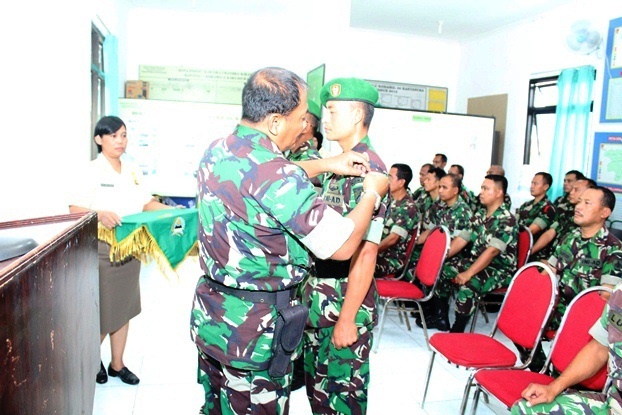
column 611, row 108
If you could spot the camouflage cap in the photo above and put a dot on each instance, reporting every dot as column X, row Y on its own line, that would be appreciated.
column 349, row 89
column 314, row 108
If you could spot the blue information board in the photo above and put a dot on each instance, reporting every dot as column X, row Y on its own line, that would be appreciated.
column 611, row 107
column 607, row 160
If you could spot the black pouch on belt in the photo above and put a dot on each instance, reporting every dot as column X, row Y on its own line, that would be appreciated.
column 290, row 326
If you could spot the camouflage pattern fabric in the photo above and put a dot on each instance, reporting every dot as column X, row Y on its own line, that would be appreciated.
column 563, row 223
column 304, row 152
column 607, row 331
column 248, row 239
column 499, row 231
column 402, row 216
column 428, row 208
column 469, row 197
column 541, row 214
column 325, row 296
column 227, row 390
column 418, row 193
column 581, row 264
column 337, row 379
column 563, row 206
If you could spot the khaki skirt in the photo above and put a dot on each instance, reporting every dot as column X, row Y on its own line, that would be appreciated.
column 119, row 291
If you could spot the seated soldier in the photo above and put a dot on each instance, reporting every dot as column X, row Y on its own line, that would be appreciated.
column 399, row 222
column 537, row 214
column 562, row 204
column 455, row 214
column 423, row 173
column 564, row 222
column 467, row 195
column 492, row 256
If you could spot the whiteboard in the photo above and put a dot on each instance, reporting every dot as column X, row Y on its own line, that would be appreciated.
column 414, row 137
column 168, row 138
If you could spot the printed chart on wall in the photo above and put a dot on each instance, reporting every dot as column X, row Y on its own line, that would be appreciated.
column 611, row 109
column 607, row 165
column 414, row 137
column 167, row 139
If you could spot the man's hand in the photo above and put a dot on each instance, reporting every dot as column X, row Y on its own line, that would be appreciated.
column 462, row 278
column 344, row 334
column 376, row 181
column 535, row 394
column 109, row 219
column 350, row 163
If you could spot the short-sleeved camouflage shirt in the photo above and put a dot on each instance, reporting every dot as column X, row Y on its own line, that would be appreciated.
column 582, row 263
column 402, row 217
column 499, row 231
column 541, row 214
column 324, row 296
column 428, row 208
column 255, row 207
column 456, row 218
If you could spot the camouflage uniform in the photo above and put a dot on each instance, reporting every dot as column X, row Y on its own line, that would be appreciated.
column 249, row 239
column 609, row 334
column 469, row 197
column 337, row 379
column 304, row 152
column 563, row 223
column 541, row 214
column 428, row 208
column 457, row 220
column 499, row 231
column 581, row 264
column 401, row 219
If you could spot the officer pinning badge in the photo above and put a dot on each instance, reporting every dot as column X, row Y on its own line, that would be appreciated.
column 335, row 90
column 178, row 227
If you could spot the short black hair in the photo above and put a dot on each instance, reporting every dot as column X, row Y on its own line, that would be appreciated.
column 271, row 91
column 442, row 156
column 368, row 112
column 460, row 169
column 591, row 184
column 456, row 181
column 577, row 174
column 499, row 180
column 438, row 172
column 318, row 135
column 548, row 179
column 404, row 172
column 428, row 165
column 608, row 199
column 107, row 125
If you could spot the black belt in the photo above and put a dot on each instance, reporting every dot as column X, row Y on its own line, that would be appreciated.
column 331, row 268
column 263, row 297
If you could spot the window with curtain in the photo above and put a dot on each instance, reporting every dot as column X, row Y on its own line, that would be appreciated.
column 98, row 82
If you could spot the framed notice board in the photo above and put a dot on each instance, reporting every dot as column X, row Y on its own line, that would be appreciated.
column 611, row 107
column 410, row 96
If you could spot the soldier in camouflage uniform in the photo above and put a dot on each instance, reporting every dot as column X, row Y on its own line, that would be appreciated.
column 258, row 217
column 562, row 204
column 491, row 261
column 605, row 347
column 467, row 195
column 537, row 214
column 342, row 295
column 507, row 200
column 455, row 215
column 306, row 147
column 401, row 219
column 544, row 247
column 589, row 255
column 419, row 193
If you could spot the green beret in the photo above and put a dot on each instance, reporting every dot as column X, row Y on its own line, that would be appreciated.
column 314, row 108
column 349, row 89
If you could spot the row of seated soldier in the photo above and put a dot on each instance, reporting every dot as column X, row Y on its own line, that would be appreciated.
column 569, row 235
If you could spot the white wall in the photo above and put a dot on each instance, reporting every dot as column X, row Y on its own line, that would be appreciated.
column 503, row 63
column 45, row 100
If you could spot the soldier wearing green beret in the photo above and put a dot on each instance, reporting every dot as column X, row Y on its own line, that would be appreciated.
column 306, row 147
column 341, row 296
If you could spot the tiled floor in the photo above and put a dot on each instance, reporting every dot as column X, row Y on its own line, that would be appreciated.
column 160, row 352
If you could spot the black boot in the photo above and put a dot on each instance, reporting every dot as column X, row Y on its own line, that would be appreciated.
column 438, row 318
column 460, row 323
column 428, row 311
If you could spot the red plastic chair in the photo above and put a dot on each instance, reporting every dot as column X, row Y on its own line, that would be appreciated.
column 572, row 336
column 525, row 311
column 523, row 248
column 427, row 271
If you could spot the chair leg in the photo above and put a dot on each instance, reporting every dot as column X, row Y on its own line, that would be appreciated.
column 475, row 399
column 406, row 319
column 399, row 307
column 465, row 396
column 382, row 318
column 474, row 319
column 427, row 379
column 424, row 326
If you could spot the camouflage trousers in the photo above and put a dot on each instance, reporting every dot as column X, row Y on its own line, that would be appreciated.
column 584, row 403
column 230, row 391
column 485, row 281
column 336, row 379
column 386, row 266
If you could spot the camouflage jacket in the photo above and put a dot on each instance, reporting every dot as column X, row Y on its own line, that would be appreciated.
column 428, row 208
column 402, row 217
column 470, row 198
column 304, row 152
column 324, row 296
column 564, row 217
column 581, row 263
column 499, row 231
column 541, row 214
column 255, row 208
column 456, row 218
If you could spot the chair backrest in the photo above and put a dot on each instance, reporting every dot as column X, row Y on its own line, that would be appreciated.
column 410, row 248
column 527, row 305
column 573, row 333
column 524, row 245
column 432, row 256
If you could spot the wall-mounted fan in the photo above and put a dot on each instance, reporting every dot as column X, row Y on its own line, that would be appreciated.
column 583, row 37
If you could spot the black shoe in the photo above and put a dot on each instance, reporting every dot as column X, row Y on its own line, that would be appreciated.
column 435, row 322
column 125, row 375
column 102, row 376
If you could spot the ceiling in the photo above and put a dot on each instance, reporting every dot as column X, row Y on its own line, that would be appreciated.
column 445, row 19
